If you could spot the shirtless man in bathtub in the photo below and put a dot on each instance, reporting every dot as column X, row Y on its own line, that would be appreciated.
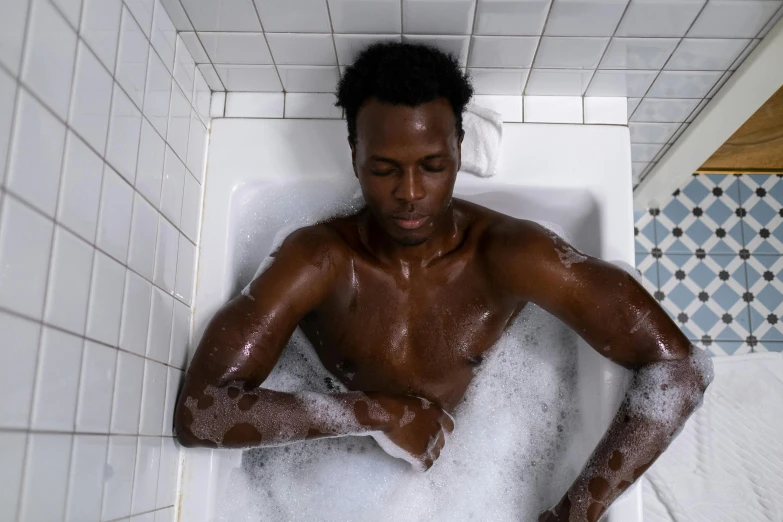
column 402, row 300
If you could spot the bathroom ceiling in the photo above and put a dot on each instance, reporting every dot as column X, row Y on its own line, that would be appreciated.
column 668, row 57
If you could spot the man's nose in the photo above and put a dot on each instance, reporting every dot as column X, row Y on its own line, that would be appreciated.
column 410, row 186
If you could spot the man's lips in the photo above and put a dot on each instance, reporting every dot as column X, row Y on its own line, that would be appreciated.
column 410, row 221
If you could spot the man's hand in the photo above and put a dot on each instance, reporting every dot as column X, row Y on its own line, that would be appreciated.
column 418, row 432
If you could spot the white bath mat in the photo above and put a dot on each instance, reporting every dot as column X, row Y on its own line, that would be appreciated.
column 727, row 464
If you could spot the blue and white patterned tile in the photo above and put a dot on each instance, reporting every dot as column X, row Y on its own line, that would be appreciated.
column 647, row 265
column 761, row 197
column 704, row 294
column 703, row 214
column 769, row 346
column 765, row 285
column 643, row 231
column 723, row 348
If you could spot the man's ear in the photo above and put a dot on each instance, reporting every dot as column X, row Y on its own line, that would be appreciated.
column 353, row 157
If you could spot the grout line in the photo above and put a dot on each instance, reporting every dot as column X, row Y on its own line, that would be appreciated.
column 272, row 56
column 538, row 46
column 606, row 49
column 336, row 57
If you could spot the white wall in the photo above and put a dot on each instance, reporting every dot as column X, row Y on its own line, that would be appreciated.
column 101, row 165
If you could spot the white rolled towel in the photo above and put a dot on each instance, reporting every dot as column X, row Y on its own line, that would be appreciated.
column 481, row 146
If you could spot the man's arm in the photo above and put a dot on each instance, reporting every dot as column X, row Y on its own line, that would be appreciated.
column 222, row 404
column 615, row 315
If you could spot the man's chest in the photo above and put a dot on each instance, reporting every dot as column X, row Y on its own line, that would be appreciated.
column 419, row 334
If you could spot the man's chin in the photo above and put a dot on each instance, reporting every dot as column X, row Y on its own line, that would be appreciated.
column 410, row 239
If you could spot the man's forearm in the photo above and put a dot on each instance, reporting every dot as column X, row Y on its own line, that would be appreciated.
column 230, row 417
column 661, row 398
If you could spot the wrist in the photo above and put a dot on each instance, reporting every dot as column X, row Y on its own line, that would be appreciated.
column 378, row 411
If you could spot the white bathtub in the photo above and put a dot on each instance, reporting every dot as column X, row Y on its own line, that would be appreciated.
column 577, row 176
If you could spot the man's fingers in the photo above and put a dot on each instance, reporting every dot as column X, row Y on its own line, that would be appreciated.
column 447, row 422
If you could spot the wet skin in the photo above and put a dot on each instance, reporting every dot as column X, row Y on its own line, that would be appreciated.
column 405, row 298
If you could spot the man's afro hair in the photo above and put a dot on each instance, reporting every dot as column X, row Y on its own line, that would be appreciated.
column 402, row 74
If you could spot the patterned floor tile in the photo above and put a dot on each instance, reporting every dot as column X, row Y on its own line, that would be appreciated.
column 704, row 294
column 723, row 348
column 761, row 196
column 770, row 346
column 643, row 231
column 703, row 214
column 765, row 283
column 647, row 265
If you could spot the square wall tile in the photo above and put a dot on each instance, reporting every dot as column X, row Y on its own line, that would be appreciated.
column 631, row 84
column 131, row 69
column 704, row 294
column 46, row 477
column 180, row 332
column 310, row 16
column 633, row 103
column 584, row 17
column 248, row 48
column 211, row 77
column 19, row 351
column 159, row 335
column 105, row 308
column 570, row 53
column 49, row 57
column 249, row 78
column 557, row 82
column 644, row 231
column 639, row 170
column 179, row 122
column 503, row 51
column 227, row 15
column 172, row 11
column 761, row 198
column 12, row 450
column 142, row 12
column 311, row 105
column 157, row 94
column 91, row 99
column 8, row 89
column 765, row 284
column 59, row 362
column 301, row 49
column 647, row 266
column 645, row 152
column 195, row 47
column 553, row 109
column 350, row 45
column 498, row 81
column 173, row 386
column 88, row 464
column 501, row 17
column 186, row 264
column 767, row 28
column 376, row 16
column 659, row 18
column 115, row 216
column 123, row 146
column 612, row 111
column 166, row 255
column 437, row 17
column 153, row 398
column 149, row 170
column 184, row 69
column 705, row 54
column 173, row 182
column 96, row 386
column 100, row 28
column 36, row 154
column 664, row 110
column 118, row 486
column 702, row 215
column 638, row 53
column 307, row 78
column 652, row 132
column 135, row 313
column 745, row 53
column 145, row 478
column 254, row 104
column 69, row 282
column 509, row 107
column 169, row 468
column 12, row 31
column 197, row 146
column 457, row 46
column 202, row 95
column 164, row 33
column 126, row 406
column 191, row 208
column 25, row 245
column 732, row 19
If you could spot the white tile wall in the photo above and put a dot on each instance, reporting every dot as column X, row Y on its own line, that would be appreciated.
column 87, row 116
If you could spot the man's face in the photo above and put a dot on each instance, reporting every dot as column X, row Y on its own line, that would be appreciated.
column 406, row 159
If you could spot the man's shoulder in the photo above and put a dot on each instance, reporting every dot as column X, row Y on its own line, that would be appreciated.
column 505, row 236
column 314, row 244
